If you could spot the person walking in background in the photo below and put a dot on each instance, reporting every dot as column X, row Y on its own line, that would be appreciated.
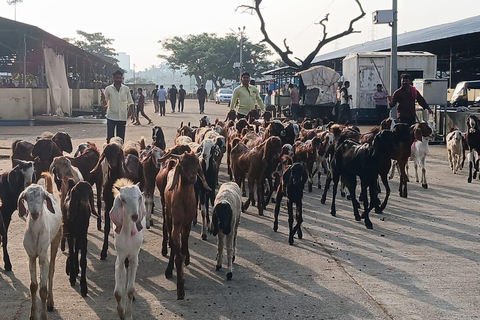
column 406, row 96
column 162, row 98
column 344, row 112
column 140, row 107
column 380, row 98
column 267, row 102
column 172, row 96
column 294, row 100
column 117, row 99
column 247, row 96
column 154, row 97
column 201, row 96
column 181, row 98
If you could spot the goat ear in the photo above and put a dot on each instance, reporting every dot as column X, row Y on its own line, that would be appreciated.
column 417, row 133
column 202, row 178
column 214, row 225
column 176, row 177
column 22, row 211
column 98, row 165
column 92, row 204
column 116, row 214
column 15, row 180
column 49, row 203
column 141, row 215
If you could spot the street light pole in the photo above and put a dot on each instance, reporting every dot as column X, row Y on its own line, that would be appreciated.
column 241, row 51
column 394, row 68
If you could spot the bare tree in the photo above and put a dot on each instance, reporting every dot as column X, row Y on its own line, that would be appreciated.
column 285, row 54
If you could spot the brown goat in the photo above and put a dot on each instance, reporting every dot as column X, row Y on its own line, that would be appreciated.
column 180, row 210
column 252, row 164
column 85, row 162
column 307, row 153
column 149, row 159
column 118, row 167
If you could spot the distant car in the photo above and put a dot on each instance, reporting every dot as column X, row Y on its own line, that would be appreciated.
column 223, row 95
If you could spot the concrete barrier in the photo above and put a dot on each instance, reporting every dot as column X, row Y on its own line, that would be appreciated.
column 16, row 104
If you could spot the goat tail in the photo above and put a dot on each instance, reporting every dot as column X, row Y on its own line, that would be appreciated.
column 142, row 143
column 48, row 181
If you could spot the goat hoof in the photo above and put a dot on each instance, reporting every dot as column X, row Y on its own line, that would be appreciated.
column 319, row 186
column 151, row 223
column 8, row 267
column 300, row 234
column 147, row 226
column 333, row 213
column 358, row 218
column 310, row 187
column 229, row 276
column 84, row 292
column 204, row 237
column 322, row 201
column 369, row 225
column 244, row 194
column 342, row 194
column 233, row 259
column 275, row 227
column 290, row 242
column 103, row 255
column 49, row 308
column 274, row 200
column 218, row 268
column 469, row 180
column 168, row 274
column 425, row 186
column 164, row 252
column 187, row 260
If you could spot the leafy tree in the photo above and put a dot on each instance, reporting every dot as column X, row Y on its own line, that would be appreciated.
column 303, row 64
column 209, row 57
column 95, row 43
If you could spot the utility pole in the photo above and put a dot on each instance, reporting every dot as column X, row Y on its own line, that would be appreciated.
column 241, row 50
column 394, row 68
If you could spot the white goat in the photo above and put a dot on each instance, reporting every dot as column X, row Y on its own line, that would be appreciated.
column 43, row 230
column 128, row 215
column 225, row 221
column 419, row 151
column 455, row 150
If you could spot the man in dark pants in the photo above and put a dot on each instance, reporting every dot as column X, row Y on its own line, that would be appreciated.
column 155, row 99
column 181, row 98
column 117, row 99
column 202, row 96
column 140, row 108
column 380, row 98
column 405, row 96
column 172, row 96
column 344, row 112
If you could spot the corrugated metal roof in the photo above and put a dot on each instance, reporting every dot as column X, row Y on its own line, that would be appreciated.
column 443, row 31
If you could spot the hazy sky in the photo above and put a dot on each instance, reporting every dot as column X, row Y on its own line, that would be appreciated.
column 137, row 25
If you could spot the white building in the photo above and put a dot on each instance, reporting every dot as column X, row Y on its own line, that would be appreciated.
column 124, row 62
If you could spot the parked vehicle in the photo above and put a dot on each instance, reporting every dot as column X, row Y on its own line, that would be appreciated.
column 223, row 95
column 466, row 93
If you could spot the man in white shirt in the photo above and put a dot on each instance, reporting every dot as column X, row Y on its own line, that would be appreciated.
column 117, row 99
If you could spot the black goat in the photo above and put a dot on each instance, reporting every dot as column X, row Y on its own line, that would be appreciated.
column 12, row 183
column 352, row 159
column 291, row 185
column 76, row 210
column 473, row 140
column 158, row 138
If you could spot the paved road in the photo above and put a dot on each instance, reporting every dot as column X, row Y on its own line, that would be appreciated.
column 421, row 260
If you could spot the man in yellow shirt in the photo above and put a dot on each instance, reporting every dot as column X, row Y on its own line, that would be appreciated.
column 247, row 95
column 116, row 99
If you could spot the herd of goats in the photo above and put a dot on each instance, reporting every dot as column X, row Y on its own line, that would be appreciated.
column 270, row 155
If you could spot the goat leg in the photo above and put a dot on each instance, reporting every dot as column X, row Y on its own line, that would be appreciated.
column 299, row 220
column 120, row 285
column 336, row 178
column 53, row 255
column 220, row 245
column 327, row 186
column 32, row 265
column 291, row 232
column 277, row 207
column 387, row 193
column 70, row 263
column 83, row 265
column 6, row 256
column 230, row 253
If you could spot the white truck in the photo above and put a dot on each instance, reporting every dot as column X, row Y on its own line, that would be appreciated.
column 365, row 70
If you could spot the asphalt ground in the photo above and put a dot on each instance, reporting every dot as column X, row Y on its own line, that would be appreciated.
column 421, row 260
